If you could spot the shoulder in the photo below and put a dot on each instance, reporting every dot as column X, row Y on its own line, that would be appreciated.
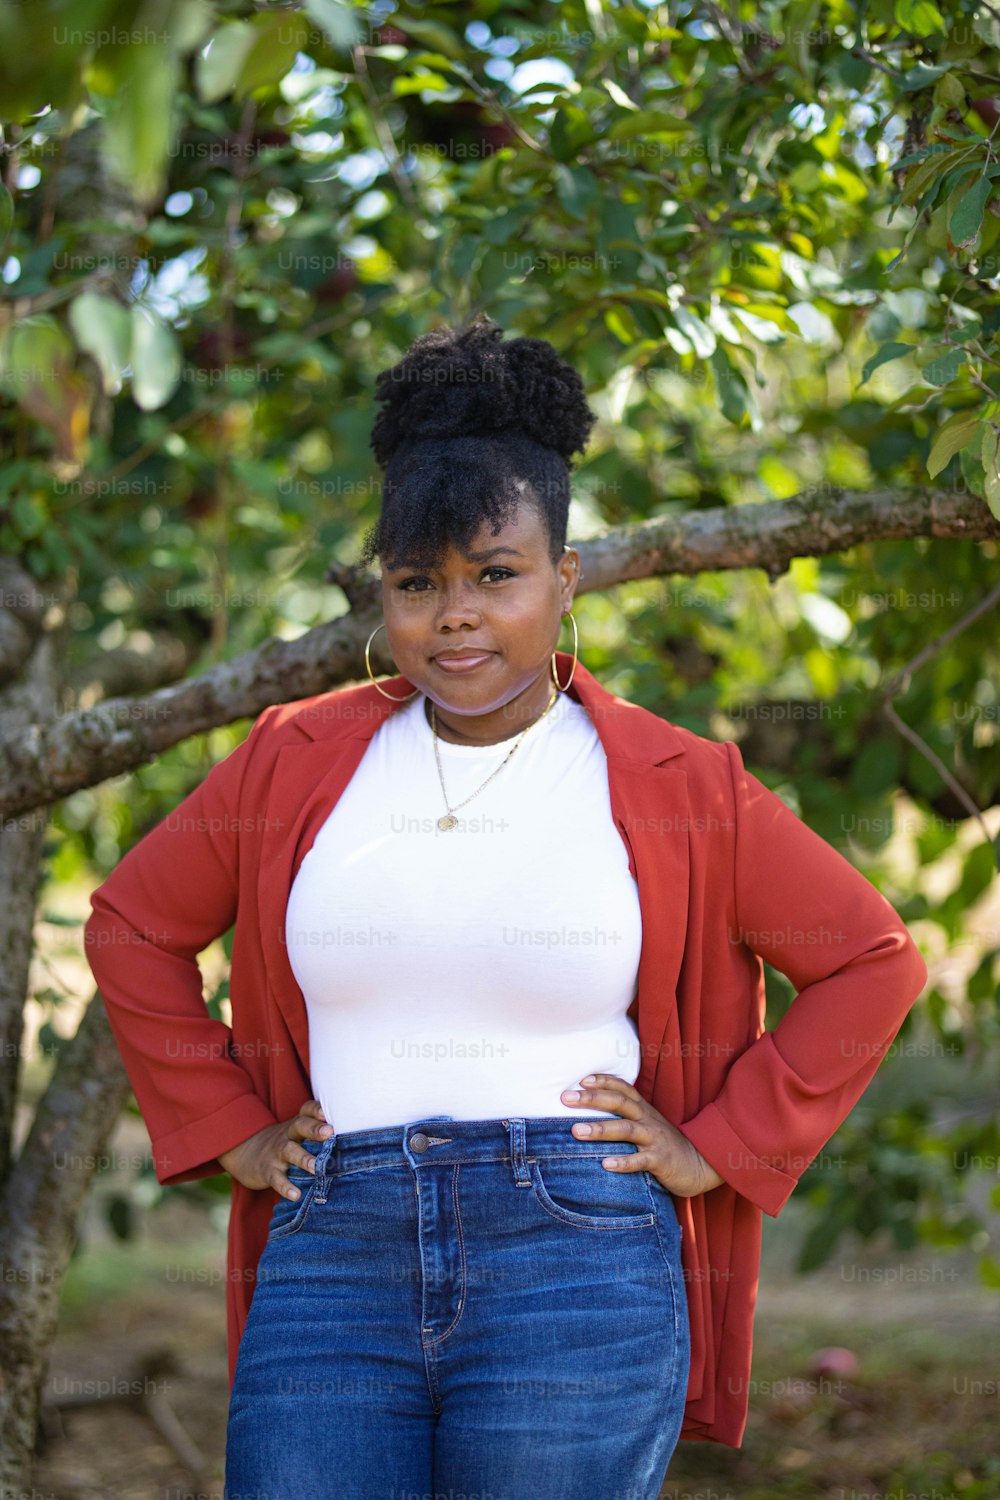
column 327, row 715
column 666, row 742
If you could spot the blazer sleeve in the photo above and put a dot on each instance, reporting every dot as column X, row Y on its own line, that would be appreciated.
column 165, row 901
column 809, row 913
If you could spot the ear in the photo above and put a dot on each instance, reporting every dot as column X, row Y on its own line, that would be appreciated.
column 569, row 572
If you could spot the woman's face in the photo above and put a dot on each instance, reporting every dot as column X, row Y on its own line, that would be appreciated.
column 505, row 599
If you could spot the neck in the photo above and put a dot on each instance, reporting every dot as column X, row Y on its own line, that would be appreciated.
column 503, row 723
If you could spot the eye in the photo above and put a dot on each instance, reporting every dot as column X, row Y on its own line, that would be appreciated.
column 404, row 585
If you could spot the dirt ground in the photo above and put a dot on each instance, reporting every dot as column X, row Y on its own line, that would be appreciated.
column 917, row 1419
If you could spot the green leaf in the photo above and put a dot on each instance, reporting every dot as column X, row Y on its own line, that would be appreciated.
column 155, row 359
column 700, row 336
column 419, row 83
column 648, row 122
column 949, row 92
column 571, row 128
column 875, row 769
column 978, row 873
column 619, row 95
column 102, row 328
column 139, row 116
column 919, row 17
column 991, row 466
column 920, row 77
column 949, row 438
column 942, row 370
column 972, row 473
column 218, row 66
column 341, row 25
column 576, row 187
column 29, row 517
column 935, row 166
column 730, row 387
column 278, row 39
column 432, row 34
column 621, row 323
column 763, row 328
column 966, row 218
column 893, row 350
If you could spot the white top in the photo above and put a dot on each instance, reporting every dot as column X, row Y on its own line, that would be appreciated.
column 475, row 973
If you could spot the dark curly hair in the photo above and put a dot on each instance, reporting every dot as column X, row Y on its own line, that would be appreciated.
column 470, row 427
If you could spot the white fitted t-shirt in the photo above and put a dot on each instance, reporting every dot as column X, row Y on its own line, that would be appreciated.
column 475, row 973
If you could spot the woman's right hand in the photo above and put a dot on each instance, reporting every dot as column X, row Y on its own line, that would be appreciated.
column 263, row 1159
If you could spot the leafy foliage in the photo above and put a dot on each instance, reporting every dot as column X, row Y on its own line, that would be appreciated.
column 768, row 240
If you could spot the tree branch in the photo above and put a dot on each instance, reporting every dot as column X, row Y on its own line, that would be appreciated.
column 45, row 762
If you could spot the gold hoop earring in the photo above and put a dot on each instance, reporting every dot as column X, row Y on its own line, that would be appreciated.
column 391, row 696
column 552, row 660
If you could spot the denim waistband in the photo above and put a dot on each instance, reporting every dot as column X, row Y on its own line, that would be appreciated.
column 438, row 1140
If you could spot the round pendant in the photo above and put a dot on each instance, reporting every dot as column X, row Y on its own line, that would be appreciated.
column 447, row 821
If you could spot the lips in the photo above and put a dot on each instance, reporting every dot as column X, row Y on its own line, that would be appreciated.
column 461, row 661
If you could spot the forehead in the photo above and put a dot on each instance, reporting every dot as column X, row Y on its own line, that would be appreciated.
column 522, row 535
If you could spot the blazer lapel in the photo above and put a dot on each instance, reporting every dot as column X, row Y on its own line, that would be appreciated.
column 650, row 808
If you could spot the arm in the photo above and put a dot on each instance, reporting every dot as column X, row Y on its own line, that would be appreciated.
column 166, row 900
column 809, row 913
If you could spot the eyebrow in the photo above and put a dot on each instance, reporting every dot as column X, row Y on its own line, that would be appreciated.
column 477, row 556
column 493, row 552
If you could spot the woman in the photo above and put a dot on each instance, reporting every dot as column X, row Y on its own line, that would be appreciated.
column 497, row 1008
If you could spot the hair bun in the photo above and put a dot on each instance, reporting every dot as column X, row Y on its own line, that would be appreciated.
column 469, row 383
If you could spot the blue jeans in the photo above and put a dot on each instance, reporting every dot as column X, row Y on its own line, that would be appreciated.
column 463, row 1308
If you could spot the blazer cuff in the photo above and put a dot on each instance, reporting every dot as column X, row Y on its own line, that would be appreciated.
column 751, row 1175
column 193, row 1151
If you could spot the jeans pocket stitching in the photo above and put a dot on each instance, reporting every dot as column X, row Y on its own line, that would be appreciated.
column 671, row 1254
column 586, row 1221
column 298, row 1218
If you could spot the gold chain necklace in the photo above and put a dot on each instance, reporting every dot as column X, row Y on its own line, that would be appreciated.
column 448, row 819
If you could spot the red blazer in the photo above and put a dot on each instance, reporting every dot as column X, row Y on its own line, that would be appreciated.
column 727, row 874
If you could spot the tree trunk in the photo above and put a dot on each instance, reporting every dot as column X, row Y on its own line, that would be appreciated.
column 39, row 1207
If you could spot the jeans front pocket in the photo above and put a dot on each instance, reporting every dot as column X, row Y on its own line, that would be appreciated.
column 577, row 1189
column 289, row 1214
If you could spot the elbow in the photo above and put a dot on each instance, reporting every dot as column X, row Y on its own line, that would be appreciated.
column 99, row 931
column 913, row 966
column 918, row 964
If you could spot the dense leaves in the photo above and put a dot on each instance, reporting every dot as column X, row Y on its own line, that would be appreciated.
column 768, row 241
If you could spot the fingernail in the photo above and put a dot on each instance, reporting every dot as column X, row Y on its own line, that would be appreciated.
column 570, row 1094
column 582, row 1129
column 294, row 1193
column 326, row 1130
column 590, row 1078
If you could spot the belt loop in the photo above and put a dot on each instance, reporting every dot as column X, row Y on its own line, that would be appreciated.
column 516, row 1131
column 322, row 1161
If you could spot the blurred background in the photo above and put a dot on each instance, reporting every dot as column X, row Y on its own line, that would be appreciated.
column 767, row 239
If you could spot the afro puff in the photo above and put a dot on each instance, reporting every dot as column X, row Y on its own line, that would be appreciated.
column 470, row 427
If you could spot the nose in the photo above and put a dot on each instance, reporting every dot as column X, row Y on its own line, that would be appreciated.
column 457, row 607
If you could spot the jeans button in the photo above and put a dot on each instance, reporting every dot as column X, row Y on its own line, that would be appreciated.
column 419, row 1142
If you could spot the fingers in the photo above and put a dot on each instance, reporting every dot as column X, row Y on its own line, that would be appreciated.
column 316, row 1122
column 607, row 1091
column 610, row 1093
column 310, row 1124
column 611, row 1080
column 292, row 1154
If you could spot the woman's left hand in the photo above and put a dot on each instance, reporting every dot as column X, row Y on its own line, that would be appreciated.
column 660, row 1147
